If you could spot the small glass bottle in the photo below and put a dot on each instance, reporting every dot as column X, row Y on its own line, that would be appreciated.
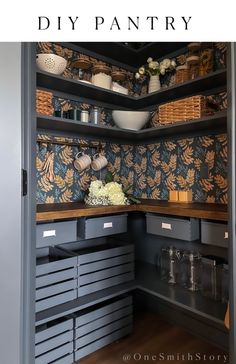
column 95, row 116
column 84, row 117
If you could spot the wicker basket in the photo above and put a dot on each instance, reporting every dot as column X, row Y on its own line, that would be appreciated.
column 44, row 102
column 189, row 108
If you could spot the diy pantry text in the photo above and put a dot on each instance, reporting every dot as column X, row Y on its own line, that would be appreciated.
column 115, row 23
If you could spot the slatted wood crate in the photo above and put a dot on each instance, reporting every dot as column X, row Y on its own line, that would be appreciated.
column 56, row 279
column 102, row 325
column 54, row 342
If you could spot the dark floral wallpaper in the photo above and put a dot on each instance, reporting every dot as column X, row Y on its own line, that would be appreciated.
column 152, row 170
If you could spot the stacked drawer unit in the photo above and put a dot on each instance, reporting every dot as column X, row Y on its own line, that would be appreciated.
column 214, row 233
column 187, row 229
column 101, row 326
column 104, row 266
column 54, row 342
column 56, row 278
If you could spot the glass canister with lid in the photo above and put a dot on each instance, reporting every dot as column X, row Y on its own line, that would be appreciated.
column 211, row 275
column 189, row 276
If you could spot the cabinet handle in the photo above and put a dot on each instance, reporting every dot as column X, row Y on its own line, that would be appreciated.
column 166, row 226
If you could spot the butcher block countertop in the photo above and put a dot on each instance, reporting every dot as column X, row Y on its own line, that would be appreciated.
column 72, row 210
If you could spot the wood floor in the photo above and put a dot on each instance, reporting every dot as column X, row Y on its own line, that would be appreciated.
column 152, row 341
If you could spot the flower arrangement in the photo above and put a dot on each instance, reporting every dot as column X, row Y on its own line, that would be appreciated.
column 108, row 193
column 155, row 68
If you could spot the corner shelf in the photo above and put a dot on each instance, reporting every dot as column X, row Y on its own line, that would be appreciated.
column 148, row 280
column 70, row 87
column 210, row 124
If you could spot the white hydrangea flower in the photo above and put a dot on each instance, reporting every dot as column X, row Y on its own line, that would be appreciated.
column 141, row 70
column 95, row 187
column 117, row 198
column 173, row 64
column 153, row 65
column 166, row 63
column 149, row 60
column 162, row 70
column 137, row 75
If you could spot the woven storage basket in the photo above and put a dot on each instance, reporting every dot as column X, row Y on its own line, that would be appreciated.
column 44, row 102
column 189, row 108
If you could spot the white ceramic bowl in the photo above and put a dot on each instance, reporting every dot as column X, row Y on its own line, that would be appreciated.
column 132, row 120
column 51, row 63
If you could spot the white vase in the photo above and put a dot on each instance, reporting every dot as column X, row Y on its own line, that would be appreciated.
column 154, row 84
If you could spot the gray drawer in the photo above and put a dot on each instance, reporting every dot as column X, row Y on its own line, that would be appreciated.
column 89, row 228
column 55, row 233
column 172, row 227
column 88, row 349
column 53, row 328
column 95, row 314
column 103, row 321
column 56, row 279
column 53, row 343
column 214, row 233
column 103, row 331
column 55, row 354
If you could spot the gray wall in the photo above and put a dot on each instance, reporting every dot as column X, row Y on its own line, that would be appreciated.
column 10, row 205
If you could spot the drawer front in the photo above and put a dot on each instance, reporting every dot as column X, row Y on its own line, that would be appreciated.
column 96, row 314
column 54, row 342
column 102, row 342
column 55, row 354
column 214, row 233
column 184, row 229
column 43, row 333
column 102, row 226
column 103, row 321
column 55, row 300
column 103, row 264
column 103, row 331
column 55, row 233
column 55, row 289
column 109, row 282
column 105, row 254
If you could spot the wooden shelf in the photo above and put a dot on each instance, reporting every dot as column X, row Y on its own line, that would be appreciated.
column 206, row 125
column 148, row 280
column 83, row 302
column 73, row 210
column 69, row 87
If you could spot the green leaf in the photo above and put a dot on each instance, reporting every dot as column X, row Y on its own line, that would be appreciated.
column 109, row 177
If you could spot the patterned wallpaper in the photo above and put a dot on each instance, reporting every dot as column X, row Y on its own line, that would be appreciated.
column 152, row 170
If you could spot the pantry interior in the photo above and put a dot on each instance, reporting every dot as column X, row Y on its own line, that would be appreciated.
column 100, row 267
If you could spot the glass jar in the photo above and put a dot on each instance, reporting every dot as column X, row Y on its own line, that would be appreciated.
column 95, row 116
column 225, row 283
column 193, row 59
column 84, row 117
column 170, row 258
column 189, row 276
column 211, row 271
